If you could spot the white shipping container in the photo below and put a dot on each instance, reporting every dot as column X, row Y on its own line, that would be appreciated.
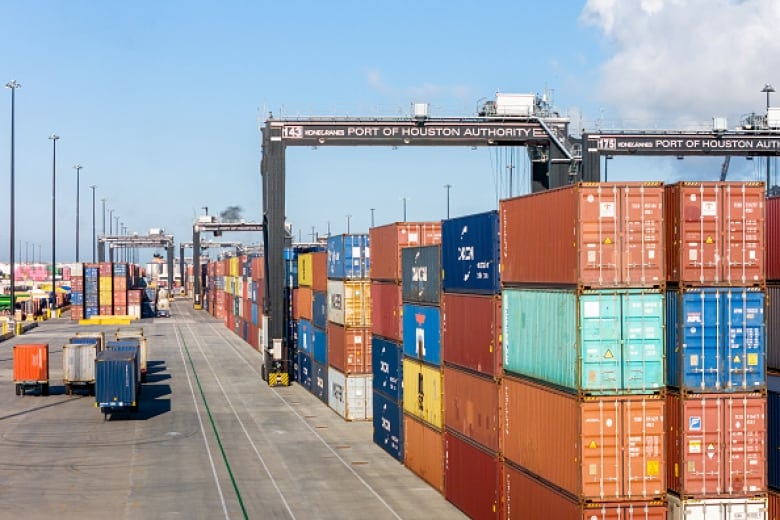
column 351, row 396
column 752, row 508
column 143, row 351
column 773, row 117
column 514, row 104
column 134, row 311
column 349, row 303
column 78, row 363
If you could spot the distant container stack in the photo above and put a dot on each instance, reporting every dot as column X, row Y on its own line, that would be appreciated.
column 77, row 293
column 773, row 284
column 106, row 288
column 91, row 293
column 312, row 337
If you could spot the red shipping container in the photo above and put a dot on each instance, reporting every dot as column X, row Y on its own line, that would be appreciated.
column 386, row 311
column 526, row 497
column 76, row 312
column 77, row 283
column 774, row 505
column 303, row 300
column 387, row 242
column 106, row 269
column 349, row 350
column 31, row 363
column 424, row 452
column 472, row 478
column 717, row 444
column 471, row 332
column 258, row 268
column 773, row 238
column 319, row 266
column 134, row 296
column 597, row 448
column 599, row 235
column 120, row 310
column 471, row 405
column 120, row 298
column 715, row 233
column 220, row 268
column 106, row 310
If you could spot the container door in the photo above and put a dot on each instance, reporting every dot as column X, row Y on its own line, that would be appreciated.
column 701, row 337
column 643, row 342
column 602, row 475
column 599, row 224
column 700, row 229
column 744, row 340
column 743, row 214
column 643, row 262
column 643, row 437
column 602, row 356
column 745, row 443
column 701, row 448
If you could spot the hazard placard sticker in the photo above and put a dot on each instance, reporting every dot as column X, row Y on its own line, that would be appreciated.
column 694, row 446
column 653, row 467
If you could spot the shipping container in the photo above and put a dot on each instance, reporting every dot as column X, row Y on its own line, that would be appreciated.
column 349, row 350
column 422, row 392
column 472, row 478
column 717, row 508
column 387, row 368
column 319, row 346
column 386, row 310
column 715, row 339
column 305, row 336
column 349, row 303
column 141, row 343
column 388, row 425
column 716, row 444
column 773, row 238
column 424, row 452
column 526, row 497
column 469, row 254
column 599, row 449
column 31, row 367
column 772, row 308
column 472, row 407
column 319, row 316
column 715, row 233
column 774, row 505
column 78, row 366
column 421, row 274
column 303, row 303
column 471, row 332
column 319, row 381
column 304, row 370
column 116, row 381
column 319, row 261
column 773, row 431
column 596, row 342
column 90, row 337
column 422, row 333
column 349, row 257
column 600, row 235
column 350, row 395
column 388, row 240
column 305, row 270
column 290, row 268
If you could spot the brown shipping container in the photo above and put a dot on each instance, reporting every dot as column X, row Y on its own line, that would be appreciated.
column 471, row 405
column 386, row 310
column 106, row 310
column 774, row 505
column 472, row 478
column 77, row 283
column 120, row 310
column 76, row 312
column 597, row 448
column 349, row 350
column 526, row 497
column 134, row 296
column 258, row 268
column 715, row 233
column 387, row 242
column 773, row 238
column 31, row 362
column 717, row 444
column 303, row 299
column 424, row 452
column 471, row 332
column 319, row 261
column 772, row 314
column 599, row 234
column 106, row 269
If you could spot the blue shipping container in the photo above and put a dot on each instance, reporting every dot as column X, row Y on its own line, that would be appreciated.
column 305, row 337
column 387, row 368
column 716, row 339
column 77, row 298
column 421, row 274
column 422, row 333
column 319, row 381
column 773, row 430
column 290, row 268
column 254, row 315
column 128, row 345
column 389, row 426
column 304, row 370
column 319, row 346
column 116, row 382
column 320, row 309
column 91, row 272
column 348, row 257
column 469, row 254
column 91, row 311
column 597, row 342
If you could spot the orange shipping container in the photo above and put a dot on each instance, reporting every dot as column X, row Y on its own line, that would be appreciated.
column 471, row 407
column 525, row 497
column 774, row 505
column 601, row 235
column 424, row 452
column 303, row 299
column 596, row 448
column 319, row 265
column 31, row 363
column 349, row 350
column 386, row 312
column 387, row 242
column 715, row 233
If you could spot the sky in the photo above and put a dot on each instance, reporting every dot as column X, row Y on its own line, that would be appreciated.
column 161, row 103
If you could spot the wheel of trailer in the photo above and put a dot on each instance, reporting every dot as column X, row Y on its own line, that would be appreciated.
column 18, row 389
column 92, row 389
column 45, row 389
column 68, row 389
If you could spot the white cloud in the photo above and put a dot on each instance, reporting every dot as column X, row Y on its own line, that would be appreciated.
column 677, row 61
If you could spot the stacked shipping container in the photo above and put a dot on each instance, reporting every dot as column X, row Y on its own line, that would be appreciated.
column 773, row 354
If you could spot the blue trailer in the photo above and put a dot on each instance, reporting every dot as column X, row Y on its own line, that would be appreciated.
column 116, row 381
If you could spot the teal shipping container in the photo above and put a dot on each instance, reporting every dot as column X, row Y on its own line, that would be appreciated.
column 596, row 342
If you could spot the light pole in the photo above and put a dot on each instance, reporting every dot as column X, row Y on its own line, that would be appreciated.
column 94, row 238
column 607, row 158
column 405, row 199
column 13, row 85
column 348, row 218
column 767, row 88
column 103, row 202
column 54, row 138
column 111, row 222
column 372, row 216
column 447, row 187
column 77, row 167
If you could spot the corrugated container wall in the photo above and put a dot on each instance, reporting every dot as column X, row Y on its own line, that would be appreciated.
column 78, row 362
column 597, row 448
column 472, row 478
column 349, row 303
column 350, row 396
column 773, row 431
column 304, row 370
column 773, row 238
column 319, row 381
column 31, row 362
column 422, row 333
column 715, row 233
column 387, row 368
column 389, row 425
column 600, row 235
column 469, row 254
column 774, row 505
column 717, row 444
column 424, row 452
column 472, row 407
column 471, row 332
column 349, row 350
column 717, row 508
column 387, row 242
column 116, row 379
column 422, row 392
column 773, row 326
column 599, row 342
column 349, row 257
column 319, row 261
column 319, row 346
column 319, row 309
column 715, row 339
column 386, row 310
column 421, row 278
column 305, row 270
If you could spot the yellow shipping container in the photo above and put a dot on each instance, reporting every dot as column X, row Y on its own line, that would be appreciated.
column 234, row 266
column 423, row 395
column 106, row 284
column 305, row 269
